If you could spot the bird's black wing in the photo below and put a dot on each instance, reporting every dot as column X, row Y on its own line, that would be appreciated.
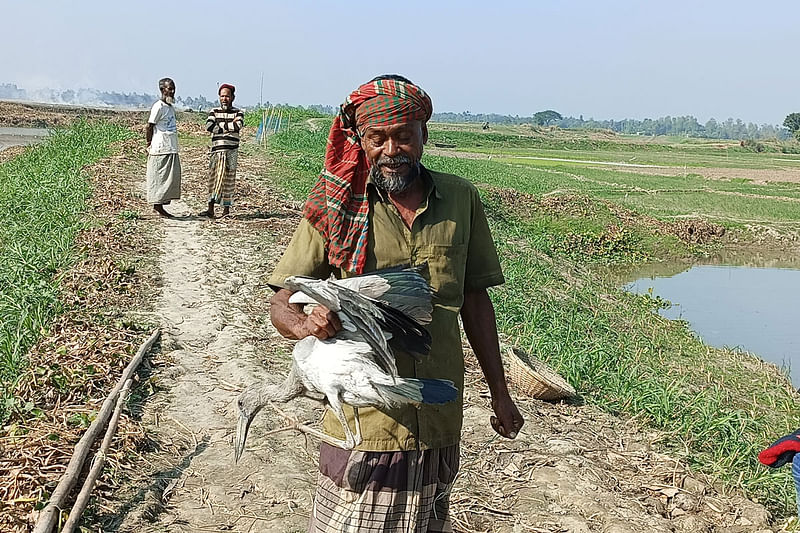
column 406, row 289
column 366, row 315
column 407, row 333
column 410, row 293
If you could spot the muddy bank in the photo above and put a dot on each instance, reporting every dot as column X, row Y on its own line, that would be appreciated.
column 35, row 115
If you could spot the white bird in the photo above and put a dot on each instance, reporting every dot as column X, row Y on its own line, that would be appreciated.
column 357, row 366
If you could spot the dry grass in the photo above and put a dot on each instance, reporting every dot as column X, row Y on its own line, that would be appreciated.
column 71, row 369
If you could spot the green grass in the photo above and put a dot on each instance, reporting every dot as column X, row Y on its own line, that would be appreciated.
column 715, row 408
column 43, row 195
column 294, row 114
column 577, row 145
column 727, row 202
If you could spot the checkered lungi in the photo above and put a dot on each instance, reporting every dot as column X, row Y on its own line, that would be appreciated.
column 384, row 492
column 222, row 176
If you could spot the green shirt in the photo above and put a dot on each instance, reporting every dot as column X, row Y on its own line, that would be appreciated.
column 450, row 233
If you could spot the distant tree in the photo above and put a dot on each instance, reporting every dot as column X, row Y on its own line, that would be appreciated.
column 792, row 123
column 543, row 118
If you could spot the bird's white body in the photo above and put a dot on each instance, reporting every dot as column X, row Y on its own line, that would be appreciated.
column 344, row 369
column 357, row 366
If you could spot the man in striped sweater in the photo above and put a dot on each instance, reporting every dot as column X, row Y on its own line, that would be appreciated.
column 225, row 123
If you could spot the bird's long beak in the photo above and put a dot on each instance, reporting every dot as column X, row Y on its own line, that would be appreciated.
column 242, row 427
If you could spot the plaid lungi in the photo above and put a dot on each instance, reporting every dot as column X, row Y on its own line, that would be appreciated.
column 371, row 492
column 222, row 176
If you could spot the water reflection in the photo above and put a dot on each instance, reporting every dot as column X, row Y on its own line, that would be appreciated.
column 20, row 136
column 622, row 274
column 752, row 307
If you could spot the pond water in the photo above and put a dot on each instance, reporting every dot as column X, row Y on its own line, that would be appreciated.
column 20, row 136
column 753, row 306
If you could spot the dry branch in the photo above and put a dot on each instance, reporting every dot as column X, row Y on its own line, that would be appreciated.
column 97, row 464
column 50, row 513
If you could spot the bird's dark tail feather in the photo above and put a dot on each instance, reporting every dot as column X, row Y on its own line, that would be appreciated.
column 418, row 391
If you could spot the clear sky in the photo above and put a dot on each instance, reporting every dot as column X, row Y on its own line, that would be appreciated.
column 601, row 59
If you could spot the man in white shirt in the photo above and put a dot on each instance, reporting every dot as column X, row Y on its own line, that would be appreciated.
column 163, row 163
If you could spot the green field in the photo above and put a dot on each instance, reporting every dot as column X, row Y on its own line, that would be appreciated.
column 668, row 151
column 714, row 408
column 43, row 195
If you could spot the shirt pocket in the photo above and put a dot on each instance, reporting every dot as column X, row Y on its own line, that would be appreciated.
column 446, row 265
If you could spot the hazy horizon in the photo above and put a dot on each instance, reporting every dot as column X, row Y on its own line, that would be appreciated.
column 611, row 60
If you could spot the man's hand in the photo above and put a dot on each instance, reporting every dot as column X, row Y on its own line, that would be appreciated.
column 508, row 420
column 293, row 323
column 480, row 325
column 322, row 323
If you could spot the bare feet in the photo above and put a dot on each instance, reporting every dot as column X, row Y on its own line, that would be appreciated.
column 226, row 211
column 159, row 208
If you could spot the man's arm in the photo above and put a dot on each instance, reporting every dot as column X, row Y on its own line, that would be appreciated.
column 238, row 121
column 148, row 133
column 211, row 122
column 480, row 325
column 291, row 322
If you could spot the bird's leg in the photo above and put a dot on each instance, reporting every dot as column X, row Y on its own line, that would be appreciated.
column 350, row 441
column 317, row 396
column 299, row 426
column 358, row 427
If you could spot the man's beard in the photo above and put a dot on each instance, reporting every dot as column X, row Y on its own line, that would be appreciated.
column 169, row 100
column 394, row 183
column 225, row 107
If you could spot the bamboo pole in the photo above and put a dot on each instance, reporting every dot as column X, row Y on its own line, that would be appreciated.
column 263, row 127
column 271, row 116
column 269, row 122
column 48, row 515
column 270, row 119
column 98, row 463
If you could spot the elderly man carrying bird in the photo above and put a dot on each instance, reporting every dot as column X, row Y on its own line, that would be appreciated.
column 375, row 206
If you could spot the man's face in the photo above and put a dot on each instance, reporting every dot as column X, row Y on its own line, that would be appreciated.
column 168, row 93
column 394, row 152
column 225, row 98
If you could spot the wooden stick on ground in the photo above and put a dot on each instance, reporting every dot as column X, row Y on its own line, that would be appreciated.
column 97, row 464
column 48, row 515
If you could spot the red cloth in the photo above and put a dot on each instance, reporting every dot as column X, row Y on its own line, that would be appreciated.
column 338, row 206
column 781, row 451
column 226, row 86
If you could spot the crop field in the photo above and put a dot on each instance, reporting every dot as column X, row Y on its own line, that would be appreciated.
column 551, row 219
column 522, row 142
column 42, row 198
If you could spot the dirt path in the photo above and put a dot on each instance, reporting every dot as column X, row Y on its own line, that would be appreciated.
column 573, row 468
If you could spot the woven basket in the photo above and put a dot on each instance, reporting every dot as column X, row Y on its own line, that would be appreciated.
column 534, row 378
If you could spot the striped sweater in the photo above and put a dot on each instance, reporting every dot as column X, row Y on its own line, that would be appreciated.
column 225, row 127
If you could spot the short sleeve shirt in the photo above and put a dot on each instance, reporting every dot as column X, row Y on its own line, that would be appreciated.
column 451, row 234
column 165, row 132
